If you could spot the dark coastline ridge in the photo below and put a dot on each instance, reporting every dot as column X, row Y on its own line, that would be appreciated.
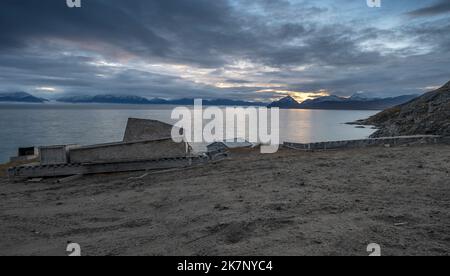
column 20, row 97
column 355, row 102
column 118, row 99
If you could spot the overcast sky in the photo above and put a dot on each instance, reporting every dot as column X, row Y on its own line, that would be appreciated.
column 237, row 49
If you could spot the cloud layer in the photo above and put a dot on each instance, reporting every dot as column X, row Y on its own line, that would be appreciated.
column 237, row 49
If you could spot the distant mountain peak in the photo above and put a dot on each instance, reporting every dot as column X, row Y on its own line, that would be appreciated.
column 360, row 96
column 132, row 99
column 288, row 99
column 20, row 96
column 330, row 98
column 358, row 101
column 107, row 99
column 286, row 102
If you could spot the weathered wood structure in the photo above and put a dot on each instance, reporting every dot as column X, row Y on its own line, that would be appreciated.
column 147, row 145
column 387, row 141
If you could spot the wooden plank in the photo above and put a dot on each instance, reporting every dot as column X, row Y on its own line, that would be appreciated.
column 25, row 172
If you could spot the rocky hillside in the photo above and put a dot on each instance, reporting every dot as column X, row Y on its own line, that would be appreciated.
column 428, row 114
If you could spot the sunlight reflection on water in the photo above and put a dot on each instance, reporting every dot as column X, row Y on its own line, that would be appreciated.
column 37, row 125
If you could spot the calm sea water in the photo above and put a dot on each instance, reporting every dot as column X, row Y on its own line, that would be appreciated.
column 23, row 125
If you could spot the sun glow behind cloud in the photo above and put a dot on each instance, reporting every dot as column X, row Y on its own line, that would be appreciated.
column 46, row 89
column 297, row 95
column 249, row 85
column 239, row 75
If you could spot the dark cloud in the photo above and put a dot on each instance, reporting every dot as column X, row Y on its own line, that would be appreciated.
column 108, row 46
column 441, row 7
column 189, row 31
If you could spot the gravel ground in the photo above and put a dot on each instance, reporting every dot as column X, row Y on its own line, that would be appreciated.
column 290, row 203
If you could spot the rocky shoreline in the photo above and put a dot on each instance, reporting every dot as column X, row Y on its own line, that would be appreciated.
column 426, row 115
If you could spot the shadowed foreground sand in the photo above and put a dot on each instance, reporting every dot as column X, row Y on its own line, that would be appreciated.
column 291, row 203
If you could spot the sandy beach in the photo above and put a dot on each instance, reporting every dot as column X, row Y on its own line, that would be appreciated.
column 291, row 203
